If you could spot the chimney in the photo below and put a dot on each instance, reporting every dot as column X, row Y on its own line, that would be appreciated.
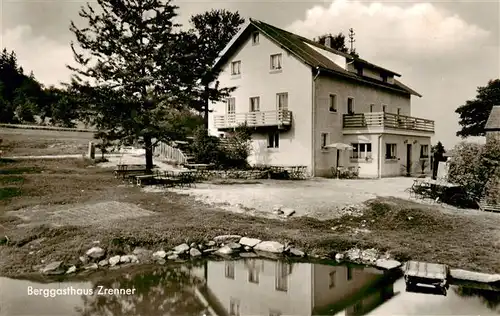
column 328, row 41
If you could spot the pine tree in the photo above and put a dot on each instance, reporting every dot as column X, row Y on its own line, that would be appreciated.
column 134, row 60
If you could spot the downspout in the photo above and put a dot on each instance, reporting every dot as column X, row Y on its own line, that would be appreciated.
column 379, row 162
column 313, row 125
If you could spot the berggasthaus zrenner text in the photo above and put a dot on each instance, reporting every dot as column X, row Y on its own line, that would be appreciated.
column 70, row 290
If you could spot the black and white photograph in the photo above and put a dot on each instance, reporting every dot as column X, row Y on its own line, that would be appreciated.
column 249, row 158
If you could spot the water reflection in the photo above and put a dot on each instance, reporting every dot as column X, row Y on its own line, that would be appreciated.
column 245, row 287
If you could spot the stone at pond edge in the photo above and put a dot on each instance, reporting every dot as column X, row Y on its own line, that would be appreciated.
column 113, row 261
column 234, row 245
column 173, row 257
column 180, row 249
column 84, row 259
column 71, row 269
column 387, row 264
column 211, row 243
column 226, row 250
column 194, row 252
column 103, row 263
column 209, row 250
column 159, row 254
column 52, row 267
column 250, row 242
column 296, row 252
column 474, row 276
column 95, row 252
column 92, row 266
column 161, row 261
column 339, row 257
column 142, row 252
column 129, row 259
column 270, row 246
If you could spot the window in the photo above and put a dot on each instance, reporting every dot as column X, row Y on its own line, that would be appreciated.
column 384, row 77
column 350, row 106
column 332, row 280
column 273, row 140
column 236, row 68
column 234, row 307
column 390, row 151
column 276, row 62
column 230, row 269
column 282, row 101
column 372, row 107
column 324, row 139
column 333, row 103
column 253, row 272
column 282, row 271
column 424, row 151
column 384, row 108
column 361, row 151
column 255, row 38
column 399, row 111
column 274, row 313
column 231, row 105
column 360, row 71
column 254, row 104
column 349, row 273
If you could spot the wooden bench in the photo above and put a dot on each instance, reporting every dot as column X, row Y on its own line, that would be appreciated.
column 486, row 207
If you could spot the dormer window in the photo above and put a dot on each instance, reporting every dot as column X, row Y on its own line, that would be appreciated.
column 384, row 77
column 360, row 71
column 255, row 38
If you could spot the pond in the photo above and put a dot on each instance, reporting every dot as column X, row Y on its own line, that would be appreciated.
column 242, row 287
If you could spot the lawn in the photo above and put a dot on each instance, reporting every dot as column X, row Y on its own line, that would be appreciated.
column 55, row 210
column 25, row 142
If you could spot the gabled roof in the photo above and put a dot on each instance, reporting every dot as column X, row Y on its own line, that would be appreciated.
column 493, row 123
column 301, row 48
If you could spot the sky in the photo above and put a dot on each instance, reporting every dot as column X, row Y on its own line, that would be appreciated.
column 443, row 49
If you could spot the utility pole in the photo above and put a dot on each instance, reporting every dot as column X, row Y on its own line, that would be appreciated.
column 351, row 38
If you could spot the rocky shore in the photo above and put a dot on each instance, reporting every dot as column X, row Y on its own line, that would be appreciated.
column 224, row 246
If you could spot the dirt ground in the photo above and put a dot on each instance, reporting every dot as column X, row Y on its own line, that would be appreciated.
column 55, row 210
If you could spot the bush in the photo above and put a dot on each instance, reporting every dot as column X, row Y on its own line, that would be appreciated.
column 476, row 168
column 232, row 152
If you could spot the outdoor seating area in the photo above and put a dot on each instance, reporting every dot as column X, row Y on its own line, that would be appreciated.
column 441, row 192
column 345, row 173
column 138, row 175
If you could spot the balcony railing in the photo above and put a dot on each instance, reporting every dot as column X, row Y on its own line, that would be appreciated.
column 281, row 119
column 387, row 120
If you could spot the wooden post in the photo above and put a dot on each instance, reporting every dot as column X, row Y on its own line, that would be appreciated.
column 91, row 153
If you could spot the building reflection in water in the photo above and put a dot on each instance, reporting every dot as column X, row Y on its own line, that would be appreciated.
column 264, row 287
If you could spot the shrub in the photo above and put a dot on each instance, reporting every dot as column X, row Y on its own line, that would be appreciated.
column 475, row 167
column 230, row 153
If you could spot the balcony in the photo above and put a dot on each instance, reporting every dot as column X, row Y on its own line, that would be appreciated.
column 381, row 120
column 281, row 119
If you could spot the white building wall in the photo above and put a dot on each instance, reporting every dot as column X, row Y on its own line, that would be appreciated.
column 262, row 298
column 257, row 80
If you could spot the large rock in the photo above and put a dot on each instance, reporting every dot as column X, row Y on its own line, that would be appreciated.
column 181, row 249
column 225, row 251
column 142, row 252
column 53, row 268
column 194, row 252
column 250, row 242
column 95, row 252
column 353, row 254
column 113, row 261
column 297, row 253
column 71, row 269
column 160, row 254
column 129, row 259
column 103, row 263
column 227, row 238
column 387, row 264
column 474, row 276
column 91, row 266
column 339, row 257
column 270, row 246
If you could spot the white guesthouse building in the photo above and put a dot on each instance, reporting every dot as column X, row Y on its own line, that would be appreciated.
column 300, row 96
